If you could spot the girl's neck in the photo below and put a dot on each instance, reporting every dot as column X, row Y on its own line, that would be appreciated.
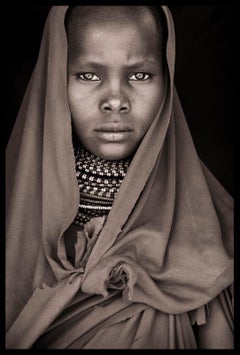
column 99, row 181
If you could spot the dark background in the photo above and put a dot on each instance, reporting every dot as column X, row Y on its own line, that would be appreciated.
column 204, row 77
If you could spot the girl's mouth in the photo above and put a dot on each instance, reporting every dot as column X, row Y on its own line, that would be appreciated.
column 113, row 136
column 114, row 132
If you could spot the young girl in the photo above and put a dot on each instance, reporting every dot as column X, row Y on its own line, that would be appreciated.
column 118, row 236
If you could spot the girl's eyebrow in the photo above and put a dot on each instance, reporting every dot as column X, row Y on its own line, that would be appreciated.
column 90, row 64
column 143, row 63
column 137, row 64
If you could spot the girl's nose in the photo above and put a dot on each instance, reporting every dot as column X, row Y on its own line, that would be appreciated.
column 115, row 104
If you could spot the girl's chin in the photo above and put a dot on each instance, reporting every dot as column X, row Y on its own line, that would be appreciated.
column 112, row 151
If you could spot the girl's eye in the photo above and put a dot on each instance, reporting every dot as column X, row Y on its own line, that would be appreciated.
column 88, row 77
column 140, row 76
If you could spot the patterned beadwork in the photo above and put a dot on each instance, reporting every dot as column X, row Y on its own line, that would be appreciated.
column 99, row 181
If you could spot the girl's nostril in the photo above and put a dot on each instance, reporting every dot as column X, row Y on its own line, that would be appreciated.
column 107, row 108
column 115, row 104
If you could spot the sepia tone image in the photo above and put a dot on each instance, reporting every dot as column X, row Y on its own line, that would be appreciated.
column 119, row 209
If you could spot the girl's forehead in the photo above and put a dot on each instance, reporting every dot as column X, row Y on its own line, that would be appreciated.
column 114, row 43
column 121, row 25
column 114, row 17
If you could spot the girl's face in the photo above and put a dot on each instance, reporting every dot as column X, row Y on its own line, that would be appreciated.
column 115, row 81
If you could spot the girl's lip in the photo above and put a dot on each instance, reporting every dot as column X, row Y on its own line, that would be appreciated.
column 114, row 128
column 113, row 136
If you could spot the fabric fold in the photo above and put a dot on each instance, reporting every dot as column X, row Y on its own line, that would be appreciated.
column 47, row 303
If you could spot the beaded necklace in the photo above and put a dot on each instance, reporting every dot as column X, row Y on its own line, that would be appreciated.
column 99, row 181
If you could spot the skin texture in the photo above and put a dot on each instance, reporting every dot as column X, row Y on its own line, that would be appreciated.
column 115, row 77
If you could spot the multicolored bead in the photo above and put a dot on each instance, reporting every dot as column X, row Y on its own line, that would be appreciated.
column 99, row 181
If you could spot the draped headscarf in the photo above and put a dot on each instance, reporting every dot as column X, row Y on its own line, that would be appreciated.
column 170, row 228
